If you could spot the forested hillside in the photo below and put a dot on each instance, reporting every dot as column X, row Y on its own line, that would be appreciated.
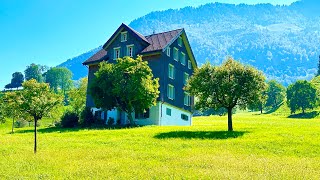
column 282, row 41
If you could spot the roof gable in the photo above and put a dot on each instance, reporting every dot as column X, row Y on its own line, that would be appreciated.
column 130, row 30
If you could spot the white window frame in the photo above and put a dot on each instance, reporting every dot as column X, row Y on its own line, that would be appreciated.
column 185, row 80
column 176, row 50
column 183, row 58
column 173, row 92
column 168, row 51
column 171, row 76
column 115, row 53
column 132, row 50
column 189, row 64
column 180, row 41
column 187, row 99
column 124, row 34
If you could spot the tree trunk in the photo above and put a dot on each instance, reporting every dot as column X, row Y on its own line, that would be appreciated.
column 303, row 111
column 130, row 118
column 35, row 135
column 230, row 119
column 260, row 110
column 12, row 125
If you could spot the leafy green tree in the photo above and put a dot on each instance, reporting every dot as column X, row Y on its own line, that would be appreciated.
column 302, row 95
column 127, row 85
column 59, row 78
column 37, row 100
column 8, row 86
column 77, row 96
column 2, row 109
column 17, row 79
column 35, row 71
column 229, row 85
column 276, row 93
column 260, row 102
column 11, row 107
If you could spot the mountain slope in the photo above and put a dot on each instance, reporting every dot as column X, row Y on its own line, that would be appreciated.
column 282, row 41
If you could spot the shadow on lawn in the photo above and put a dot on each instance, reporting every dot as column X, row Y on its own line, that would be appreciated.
column 308, row 115
column 200, row 134
column 66, row 130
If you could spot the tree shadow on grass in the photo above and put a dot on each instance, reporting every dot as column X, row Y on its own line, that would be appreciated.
column 76, row 129
column 200, row 134
column 308, row 115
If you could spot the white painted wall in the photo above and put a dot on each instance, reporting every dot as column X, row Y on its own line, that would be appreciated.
column 175, row 118
column 157, row 116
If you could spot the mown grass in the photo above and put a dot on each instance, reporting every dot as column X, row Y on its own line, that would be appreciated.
column 262, row 147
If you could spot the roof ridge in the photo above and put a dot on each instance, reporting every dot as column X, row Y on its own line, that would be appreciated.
column 163, row 32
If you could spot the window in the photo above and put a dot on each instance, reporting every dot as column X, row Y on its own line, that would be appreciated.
column 180, row 41
column 189, row 64
column 144, row 115
column 168, row 51
column 124, row 36
column 184, row 117
column 185, row 78
column 171, row 71
column 130, row 50
column 171, row 92
column 116, row 52
column 175, row 54
column 187, row 99
column 168, row 111
column 183, row 58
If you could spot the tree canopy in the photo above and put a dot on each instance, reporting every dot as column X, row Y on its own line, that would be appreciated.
column 34, row 71
column 59, row 78
column 17, row 80
column 127, row 85
column 302, row 95
column 229, row 85
column 37, row 101
column 275, row 93
column 77, row 96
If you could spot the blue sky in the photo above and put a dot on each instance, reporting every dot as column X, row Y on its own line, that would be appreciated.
column 49, row 32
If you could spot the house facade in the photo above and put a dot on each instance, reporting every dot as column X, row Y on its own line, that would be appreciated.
column 171, row 59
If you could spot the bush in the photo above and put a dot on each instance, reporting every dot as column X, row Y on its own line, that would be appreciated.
column 87, row 118
column 119, row 122
column 69, row 119
column 20, row 123
column 110, row 121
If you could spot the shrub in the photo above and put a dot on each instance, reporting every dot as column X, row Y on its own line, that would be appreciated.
column 69, row 119
column 20, row 123
column 87, row 118
column 119, row 122
column 110, row 121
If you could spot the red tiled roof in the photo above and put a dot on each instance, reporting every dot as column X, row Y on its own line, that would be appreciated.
column 156, row 42
column 99, row 56
column 160, row 40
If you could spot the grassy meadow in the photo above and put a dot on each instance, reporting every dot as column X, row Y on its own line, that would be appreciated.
column 262, row 147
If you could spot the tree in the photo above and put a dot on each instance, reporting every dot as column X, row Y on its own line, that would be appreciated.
column 37, row 100
column 17, row 79
column 77, row 96
column 11, row 107
column 59, row 78
column 260, row 102
column 318, row 72
column 301, row 95
column 34, row 71
column 229, row 85
column 8, row 86
column 276, row 93
column 127, row 85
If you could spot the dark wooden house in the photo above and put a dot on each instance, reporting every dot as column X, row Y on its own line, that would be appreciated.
column 171, row 59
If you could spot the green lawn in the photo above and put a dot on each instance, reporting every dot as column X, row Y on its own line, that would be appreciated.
column 262, row 147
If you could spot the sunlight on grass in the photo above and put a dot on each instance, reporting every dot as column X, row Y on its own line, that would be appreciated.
column 262, row 146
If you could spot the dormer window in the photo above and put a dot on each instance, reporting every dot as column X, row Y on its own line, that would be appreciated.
column 180, row 41
column 116, row 53
column 124, row 36
column 130, row 49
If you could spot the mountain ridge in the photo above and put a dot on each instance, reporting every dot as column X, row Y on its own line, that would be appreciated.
column 282, row 41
